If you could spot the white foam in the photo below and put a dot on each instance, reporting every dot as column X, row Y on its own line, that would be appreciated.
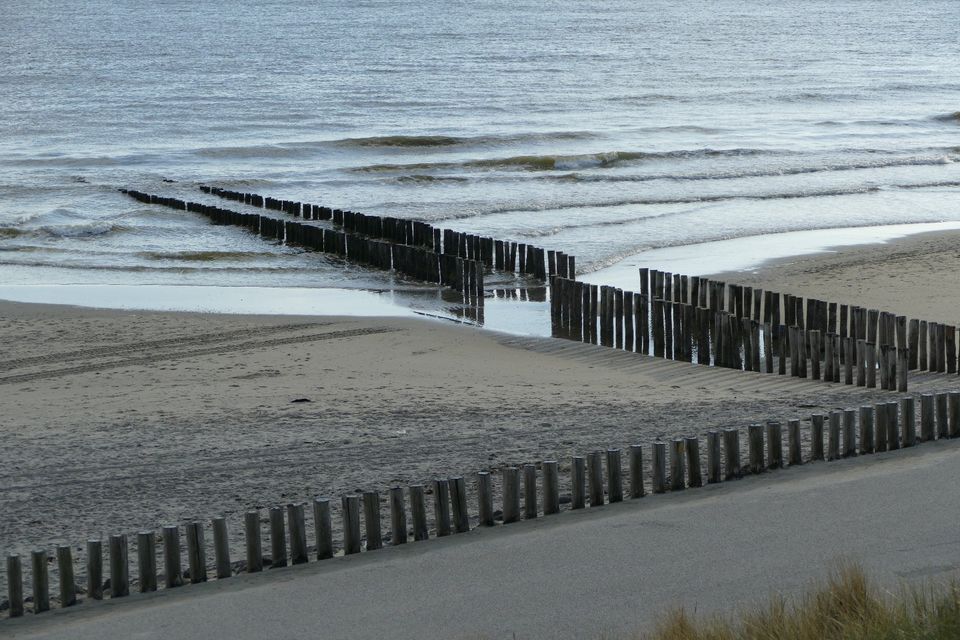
column 749, row 253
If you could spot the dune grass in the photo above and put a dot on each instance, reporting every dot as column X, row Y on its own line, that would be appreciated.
column 847, row 607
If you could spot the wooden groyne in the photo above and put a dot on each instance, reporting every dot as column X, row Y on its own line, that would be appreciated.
column 499, row 255
column 173, row 556
column 713, row 323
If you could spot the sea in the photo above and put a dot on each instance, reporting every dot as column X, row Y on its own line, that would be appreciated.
column 622, row 132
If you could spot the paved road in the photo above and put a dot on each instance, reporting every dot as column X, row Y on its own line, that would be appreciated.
column 580, row 574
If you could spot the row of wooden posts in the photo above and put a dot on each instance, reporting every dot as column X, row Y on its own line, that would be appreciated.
column 930, row 346
column 461, row 274
column 498, row 255
column 611, row 317
column 593, row 479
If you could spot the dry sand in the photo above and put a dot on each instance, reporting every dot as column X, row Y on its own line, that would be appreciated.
column 917, row 276
column 121, row 421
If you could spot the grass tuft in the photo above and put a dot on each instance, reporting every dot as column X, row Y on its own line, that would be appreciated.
column 847, row 607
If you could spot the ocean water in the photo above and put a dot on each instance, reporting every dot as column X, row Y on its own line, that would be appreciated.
column 601, row 129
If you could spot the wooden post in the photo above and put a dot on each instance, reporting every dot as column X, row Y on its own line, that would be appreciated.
column 398, row 517
column 922, row 347
column 953, row 400
column 677, row 473
column 713, row 457
column 146, row 562
column 351, row 524
column 119, row 569
column 731, row 452
column 756, row 448
column 95, row 569
column 795, row 451
column 659, row 469
column 861, row 356
column 867, row 444
column 485, row 498
column 511, row 495
column 902, row 369
column 871, row 365
column 458, row 500
column 298, row 533
column 849, row 433
column 15, row 585
column 322, row 528
column 692, row 447
column 774, row 446
column 595, row 478
column 551, row 487
column 578, row 479
column 441, row 507
column 371, row 519
column 68, row 588
column 926, row 417
column 251, row 529
column 529, row 491
column 913, row 339
column 907, row 407
column 893, row 426
column 614, row 479
column 278, row 539
column 833, row 439
column 221, row 548
column 41, row 581
column 636, row 471
column 196, row 551
column 418, row 513
column 943, row 429
column 816, row 436
column 880, row 428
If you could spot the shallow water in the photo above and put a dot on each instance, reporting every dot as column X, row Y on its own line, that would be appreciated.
column 602, row 130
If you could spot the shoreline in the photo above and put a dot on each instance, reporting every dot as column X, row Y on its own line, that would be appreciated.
column 916, row 275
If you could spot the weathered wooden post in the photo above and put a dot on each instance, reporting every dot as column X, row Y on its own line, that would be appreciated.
column 458, row 502
column 15, row 585
column 614, row 479
column 774, row 446
column 636, row 471
column 278, row 539
column 849, row 433
column 196, row 551
column 551, row 487
column 756, row 448
column 322, row 528
column 926, row 417
column 866, row 430
column 441, row 506
column 907, row 406
column 146, row 563
column 68, row 588
column 485, row 498
column 41, row 581
column 371, row 519
column 677, row 473
column 254, row 548
column 731, row 445
column 529, row 491
column 578, row 479
column 943, row 428
column 119, row 568
column 795, row 450
column 94, row 569
column 511, row 495
column 816, row 436
column 713, row 457
column 351, row 524
column 221, row 548
column 418, row 513
column 659, row 469
column 692, row 447
column 595, row 478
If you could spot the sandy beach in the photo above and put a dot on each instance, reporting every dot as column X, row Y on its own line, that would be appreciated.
column 118, row 421
column 917, row 276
